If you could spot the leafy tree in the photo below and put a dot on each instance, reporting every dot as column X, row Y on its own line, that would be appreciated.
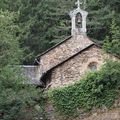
column 112, row 42
column 10, row 52
column 10, row 5
column 17, row 101
column 44, row 23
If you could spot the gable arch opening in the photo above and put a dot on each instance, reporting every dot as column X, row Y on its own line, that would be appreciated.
column 78, row 20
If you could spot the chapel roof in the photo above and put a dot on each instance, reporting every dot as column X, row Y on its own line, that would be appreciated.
column 38, row 56
column 63, row 51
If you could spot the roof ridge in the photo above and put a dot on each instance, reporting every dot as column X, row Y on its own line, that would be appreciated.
column 54, row 46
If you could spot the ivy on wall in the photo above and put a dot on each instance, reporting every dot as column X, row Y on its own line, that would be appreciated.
column 94, row 91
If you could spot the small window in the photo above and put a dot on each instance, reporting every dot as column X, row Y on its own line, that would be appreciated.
column 92, row 66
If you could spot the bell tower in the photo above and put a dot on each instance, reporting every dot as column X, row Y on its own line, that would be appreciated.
column 78, row 20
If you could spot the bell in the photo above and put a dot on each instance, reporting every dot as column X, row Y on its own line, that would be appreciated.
column 79, row 21
column 79, row 18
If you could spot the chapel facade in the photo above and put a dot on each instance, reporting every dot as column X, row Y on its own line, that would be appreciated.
column 67, row 62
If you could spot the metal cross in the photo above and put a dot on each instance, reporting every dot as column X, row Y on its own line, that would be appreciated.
column 78, row 3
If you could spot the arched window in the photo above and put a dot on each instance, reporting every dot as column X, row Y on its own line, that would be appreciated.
column 78, row 20
column 92, row 66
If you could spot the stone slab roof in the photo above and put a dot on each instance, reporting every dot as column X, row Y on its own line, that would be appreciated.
column 63, row 51
column 30, row 73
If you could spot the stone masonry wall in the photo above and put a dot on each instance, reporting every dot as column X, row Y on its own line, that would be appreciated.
column 95, row 114
column 63, row 52
column 113, row 114
column 99, row 114
column 72, row 70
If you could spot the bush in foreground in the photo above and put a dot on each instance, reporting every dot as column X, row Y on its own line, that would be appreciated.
column 95, row 90
column 19, row 101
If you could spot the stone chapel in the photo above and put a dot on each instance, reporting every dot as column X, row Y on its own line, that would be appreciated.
column 66, row 62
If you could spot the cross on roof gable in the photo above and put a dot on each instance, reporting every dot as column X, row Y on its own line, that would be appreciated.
column 78, row 3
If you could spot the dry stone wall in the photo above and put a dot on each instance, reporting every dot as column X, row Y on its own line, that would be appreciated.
column 108, row 115
column 73, row 69
column 98, row 114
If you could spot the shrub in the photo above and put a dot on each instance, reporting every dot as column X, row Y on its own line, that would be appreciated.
column 19, row 101
column 95, row 90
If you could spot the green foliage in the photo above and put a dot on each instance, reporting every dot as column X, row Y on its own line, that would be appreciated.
column 96, row 90
column 44, row 23
column 10, row 52
column 36, row 25
column 112, row 42
column 17, row 101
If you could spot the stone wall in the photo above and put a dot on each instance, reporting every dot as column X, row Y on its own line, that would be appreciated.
column 113, row 114
column 107, row 115
column 63, row 51
column 97, row 114
column 73, row 69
